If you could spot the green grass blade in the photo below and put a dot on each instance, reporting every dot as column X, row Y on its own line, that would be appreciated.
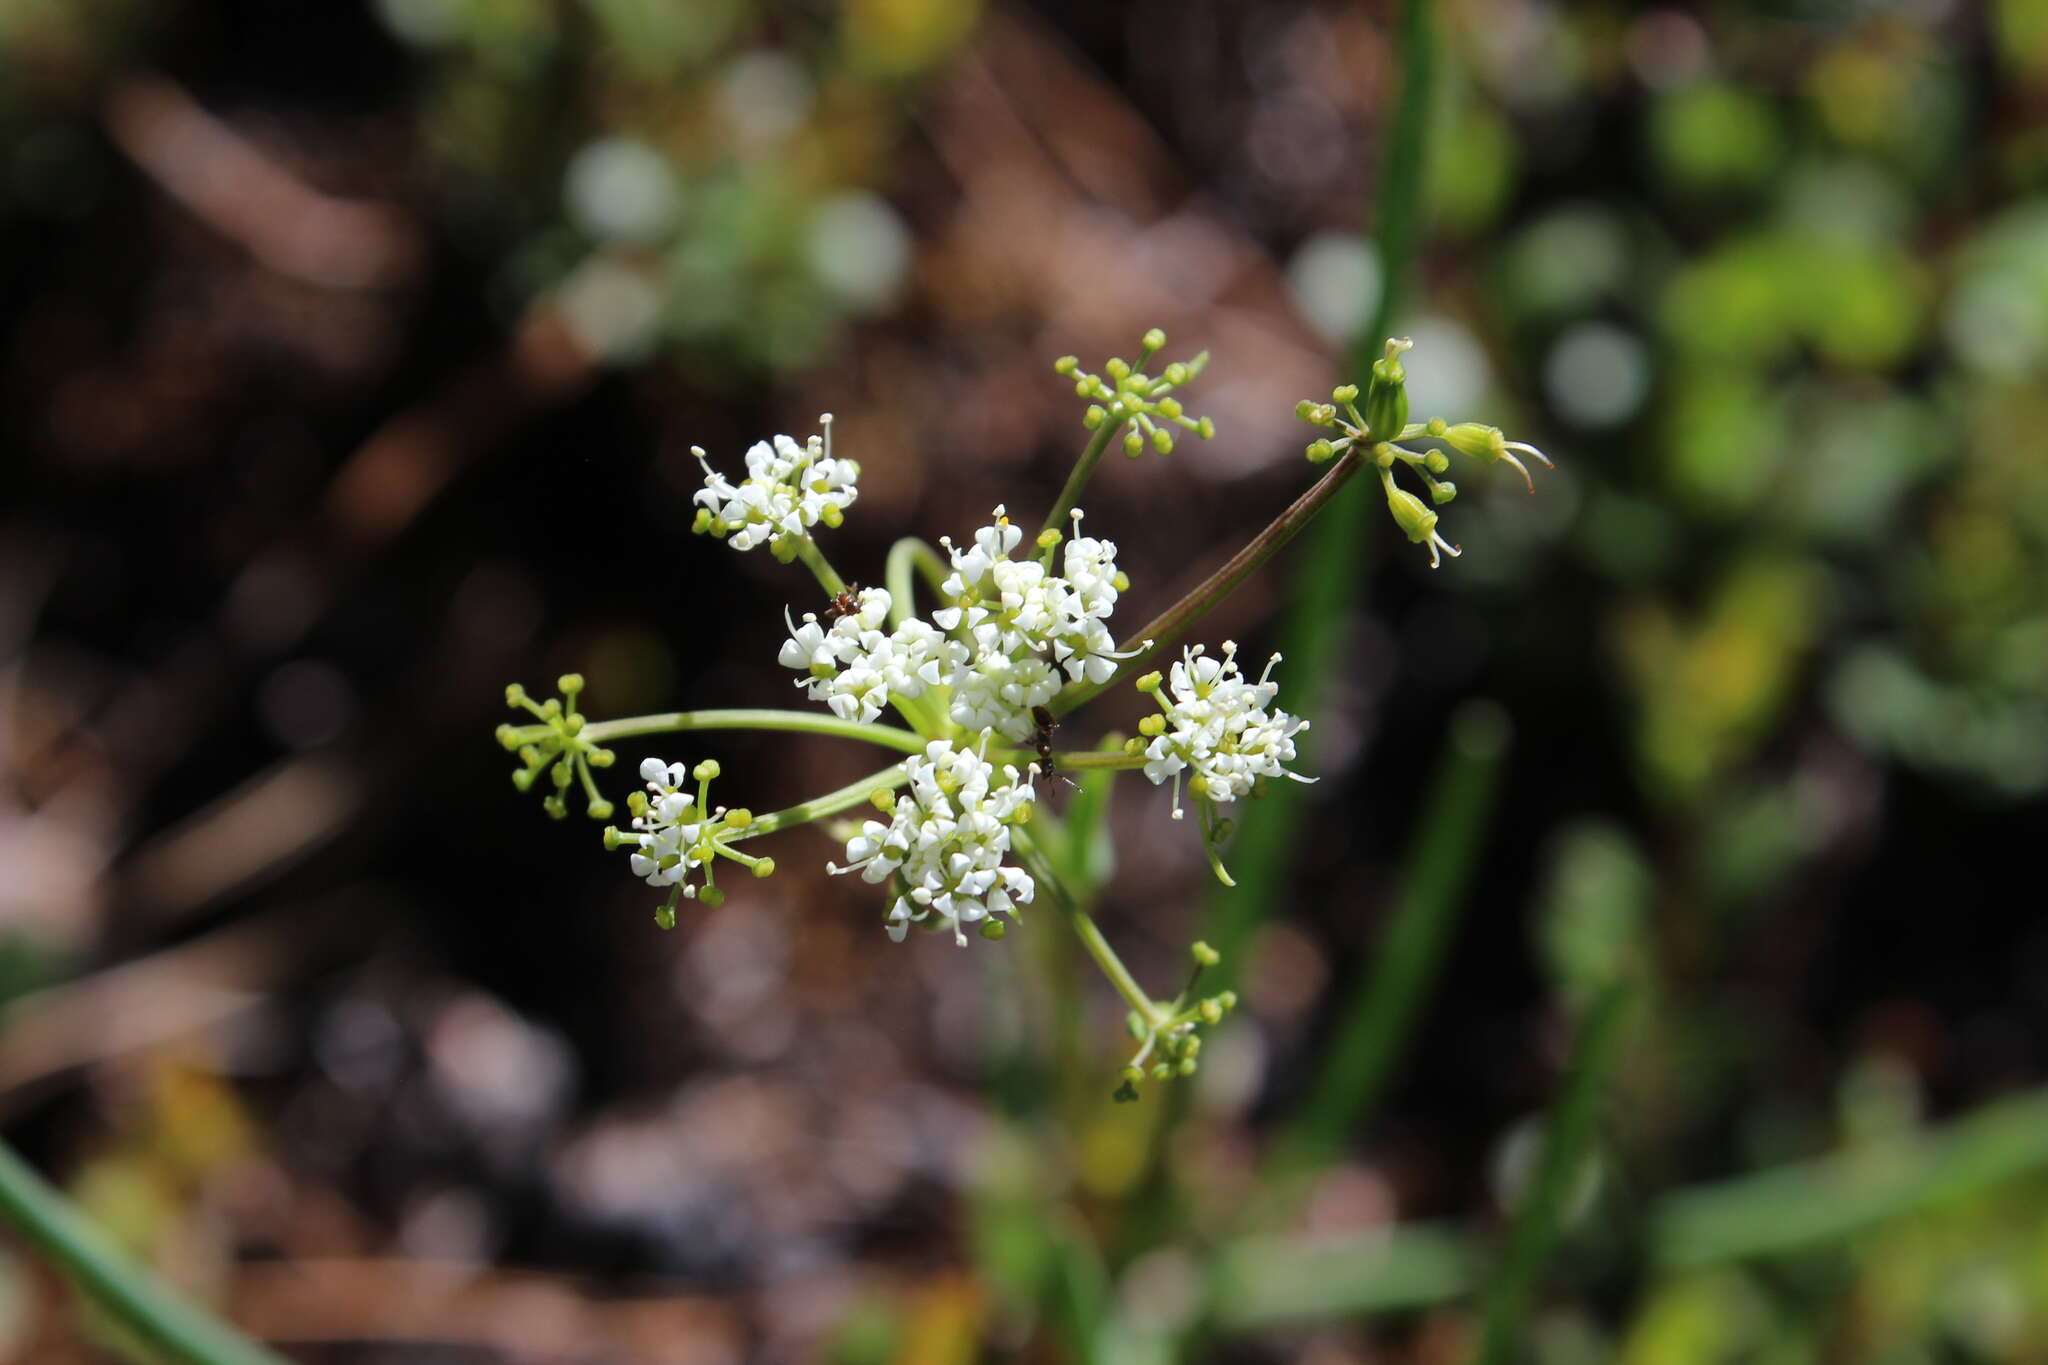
column 1375, row 1021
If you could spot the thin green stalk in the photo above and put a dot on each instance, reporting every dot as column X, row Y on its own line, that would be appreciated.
column 743, row 718
column 141, row 1303
column 1332, row 568
column 1265, row 1282
column 814, row 559
column 818, row 807
column 1087, row 931
column 1077, row 760
column 906, row 556
column 1166, row 627
column 1567, row 1136
column 1077, row 480
column 1374, row 1024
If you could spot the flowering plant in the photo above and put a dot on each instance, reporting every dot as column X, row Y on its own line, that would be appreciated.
column 1018, row 638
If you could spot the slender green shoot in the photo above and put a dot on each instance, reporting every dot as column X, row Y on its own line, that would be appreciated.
column 143, row 1304
column 1374, row 1024
column 1568, row 1134
column 1332, row 568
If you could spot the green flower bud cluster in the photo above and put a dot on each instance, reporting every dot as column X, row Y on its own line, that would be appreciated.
column 1170, row 1047
column 1384, row 421
column 1131, row 397
column 556, row 746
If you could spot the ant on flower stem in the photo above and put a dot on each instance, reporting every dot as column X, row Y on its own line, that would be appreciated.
column 1042, row 742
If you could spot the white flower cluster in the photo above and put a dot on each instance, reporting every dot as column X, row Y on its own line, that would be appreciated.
column 789, row 488
column 854, row 666
column 999, row 649
column 674, row 837
column 946, row 839
column 1217, row 726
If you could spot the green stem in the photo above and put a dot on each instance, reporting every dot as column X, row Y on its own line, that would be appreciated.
column 906, row 556
column 831, row 803
column 1077, row 760
column 1375, row 1022
column 1087, row 931
column 1567, row 1134
column 173, row 1325
column 814, row 559
column 1166, row 627
column 1084, row 469
column 748, row 718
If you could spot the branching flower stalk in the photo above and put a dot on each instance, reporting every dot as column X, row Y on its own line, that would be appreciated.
column 1016, row 637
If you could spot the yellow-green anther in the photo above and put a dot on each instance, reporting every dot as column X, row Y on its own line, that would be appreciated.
column 1306, row 410
column 706, row 770
column 1203, row 954
column 1134, row 445
column 1320, row 451
column 508, row 737
column 711, row 896
column 1094, row 417
column 1169, row 408
column 1154, row 339
column 1162, row 440
column 611, row 838
column 1344, row 393
column 600, row 809
column 515, row 695
column 665, row 917
column 569, row 684
column 1049, row 537
column 1436, row 462
column 738, row 818
column 1206, row 429
column 1134, row 746
column 1177, row 373
column 1118, row 369
column 1442, row 492
column 764, row 868
column 1152, row 726
column 1066, row 364
column 992, row 929
column 1383, row 455
column 1149, row 682
column 1134, row 1024
column 1187, row 1066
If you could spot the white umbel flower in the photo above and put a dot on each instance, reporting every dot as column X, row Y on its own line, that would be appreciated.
column 789, row 488
column 671, row 835
column 1218, row 728
column 854, row 666
column 946, row 840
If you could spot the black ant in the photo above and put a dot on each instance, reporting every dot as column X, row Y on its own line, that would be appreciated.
column 1042, row 741
column 845, row 603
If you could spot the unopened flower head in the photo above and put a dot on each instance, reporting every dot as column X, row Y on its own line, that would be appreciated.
column 1129, row 396
column 788, row 489
column 1219, row 727
column 946, row 841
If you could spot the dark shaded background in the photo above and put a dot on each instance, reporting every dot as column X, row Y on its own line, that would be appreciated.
column 327, row 410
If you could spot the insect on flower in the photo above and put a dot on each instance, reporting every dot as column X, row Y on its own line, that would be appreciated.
column 845, row 603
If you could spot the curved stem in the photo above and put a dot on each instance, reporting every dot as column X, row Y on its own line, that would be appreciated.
column 88, row 1257
column 750, row 718
column 1084, row 469
column 1164, row 628
column 818, row 807
column 1090, row 935
column 906, row 555
column 814, row 559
